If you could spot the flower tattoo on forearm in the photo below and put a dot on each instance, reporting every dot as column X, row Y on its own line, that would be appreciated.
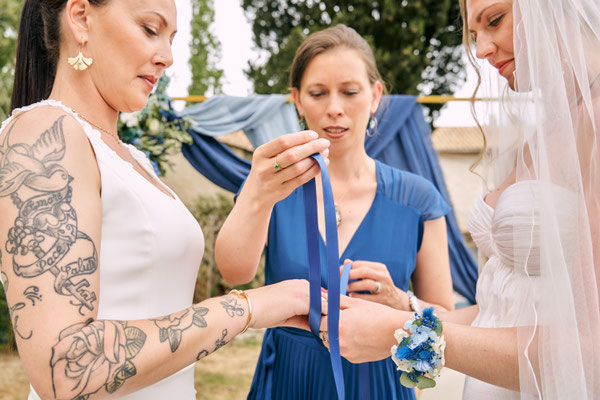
column 171, row 327
column 93, row 355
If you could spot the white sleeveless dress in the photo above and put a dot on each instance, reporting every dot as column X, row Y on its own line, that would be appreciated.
column 503, row 286
column 150, row 250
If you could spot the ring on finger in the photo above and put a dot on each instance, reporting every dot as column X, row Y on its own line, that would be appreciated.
column 324, row 337
column 277, row 166
column 377, row 287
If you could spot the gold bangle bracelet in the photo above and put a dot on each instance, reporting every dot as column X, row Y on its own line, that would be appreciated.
column 243, row 294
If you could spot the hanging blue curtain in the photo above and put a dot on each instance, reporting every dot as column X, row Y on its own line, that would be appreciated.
column 402, row 140
column 216, row 161
column 261, row 117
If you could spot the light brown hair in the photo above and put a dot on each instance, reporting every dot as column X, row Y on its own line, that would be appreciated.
column 328, row 39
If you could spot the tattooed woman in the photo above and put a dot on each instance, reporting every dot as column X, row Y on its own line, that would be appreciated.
column 99, row 257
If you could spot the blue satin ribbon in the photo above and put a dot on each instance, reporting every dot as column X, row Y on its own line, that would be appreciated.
column 336, row 285
column 364, row 383
column 333, row 271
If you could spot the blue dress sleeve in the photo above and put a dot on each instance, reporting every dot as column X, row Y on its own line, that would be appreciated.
column 414, row 191
column 423, row 195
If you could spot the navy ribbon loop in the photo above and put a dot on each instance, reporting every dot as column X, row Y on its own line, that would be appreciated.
column 336, row 285
column 333, row 271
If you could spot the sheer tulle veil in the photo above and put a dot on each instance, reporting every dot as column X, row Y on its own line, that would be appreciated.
column 547, row 131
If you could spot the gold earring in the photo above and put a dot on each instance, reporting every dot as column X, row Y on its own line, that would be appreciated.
column 80, row 63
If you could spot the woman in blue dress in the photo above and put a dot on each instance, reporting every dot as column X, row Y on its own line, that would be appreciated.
column 391, row 223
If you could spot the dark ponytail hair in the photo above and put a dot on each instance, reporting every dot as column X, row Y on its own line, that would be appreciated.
column 37, row 50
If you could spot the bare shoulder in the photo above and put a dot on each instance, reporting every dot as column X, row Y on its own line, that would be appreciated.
column 41, row 137
column 46, row 123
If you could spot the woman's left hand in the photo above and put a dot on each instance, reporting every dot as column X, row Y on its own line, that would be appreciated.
column 375, row 278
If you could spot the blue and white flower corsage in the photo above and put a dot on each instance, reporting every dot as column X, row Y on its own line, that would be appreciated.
column 420, row 354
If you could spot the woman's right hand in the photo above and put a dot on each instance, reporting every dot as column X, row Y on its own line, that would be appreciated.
column 366, row 331
column 282, row 165
column 284, row 303
column 264, row 187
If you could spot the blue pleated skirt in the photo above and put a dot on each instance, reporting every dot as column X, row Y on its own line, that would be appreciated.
column 293, row 365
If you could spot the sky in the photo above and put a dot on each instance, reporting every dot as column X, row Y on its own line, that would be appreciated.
column 235, row 35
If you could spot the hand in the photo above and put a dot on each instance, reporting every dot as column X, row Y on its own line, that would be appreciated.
column 267, row 184
column 284, row 303
column 366, row 329
column 368, row 274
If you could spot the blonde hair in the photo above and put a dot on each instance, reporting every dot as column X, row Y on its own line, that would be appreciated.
column 467, row 39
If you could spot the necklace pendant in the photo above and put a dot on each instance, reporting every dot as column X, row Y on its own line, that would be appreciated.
column 338, row 215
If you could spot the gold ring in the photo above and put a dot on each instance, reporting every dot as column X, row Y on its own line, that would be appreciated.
column 324, row 337
column 277, row 166
column 377, row 287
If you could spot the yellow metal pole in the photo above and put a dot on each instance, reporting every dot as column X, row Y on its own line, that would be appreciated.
column 194, row 98
column 433, row 99
column 437, row 99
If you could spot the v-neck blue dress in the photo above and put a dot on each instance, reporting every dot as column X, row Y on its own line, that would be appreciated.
column 292, row 363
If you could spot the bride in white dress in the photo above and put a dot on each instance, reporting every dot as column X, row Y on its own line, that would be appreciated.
column 534, row 332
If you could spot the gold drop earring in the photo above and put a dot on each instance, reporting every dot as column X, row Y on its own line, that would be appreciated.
column 80, row 63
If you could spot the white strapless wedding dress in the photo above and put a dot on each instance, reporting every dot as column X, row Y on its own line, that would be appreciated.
column 509, row 237
column 151, row 249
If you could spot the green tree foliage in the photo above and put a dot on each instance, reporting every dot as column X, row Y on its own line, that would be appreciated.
column 416, row 42
column 9, row 23
column 205, row 50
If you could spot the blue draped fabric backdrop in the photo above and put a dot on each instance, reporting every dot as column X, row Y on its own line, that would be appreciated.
column 402, row 140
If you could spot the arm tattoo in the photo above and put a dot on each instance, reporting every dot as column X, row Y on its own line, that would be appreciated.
column 45, row 237
column 15, row 321
column 12, row 311
column 33, row 294
column 218, row 344
column 201, row 355
column 93, row 355
column 232, row 307
column 172, row 326
column 221, row 341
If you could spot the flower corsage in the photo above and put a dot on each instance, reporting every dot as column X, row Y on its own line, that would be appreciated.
column 420, row 353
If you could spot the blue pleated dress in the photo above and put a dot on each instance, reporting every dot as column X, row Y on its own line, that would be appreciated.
column 293, row 364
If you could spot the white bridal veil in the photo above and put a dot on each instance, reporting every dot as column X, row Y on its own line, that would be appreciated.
column 546, row 132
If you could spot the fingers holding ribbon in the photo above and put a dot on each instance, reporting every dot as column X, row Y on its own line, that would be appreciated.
column 377, row 287
column 283, row 164
column 277, row 166
column 295, row 166
column 372, row 281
